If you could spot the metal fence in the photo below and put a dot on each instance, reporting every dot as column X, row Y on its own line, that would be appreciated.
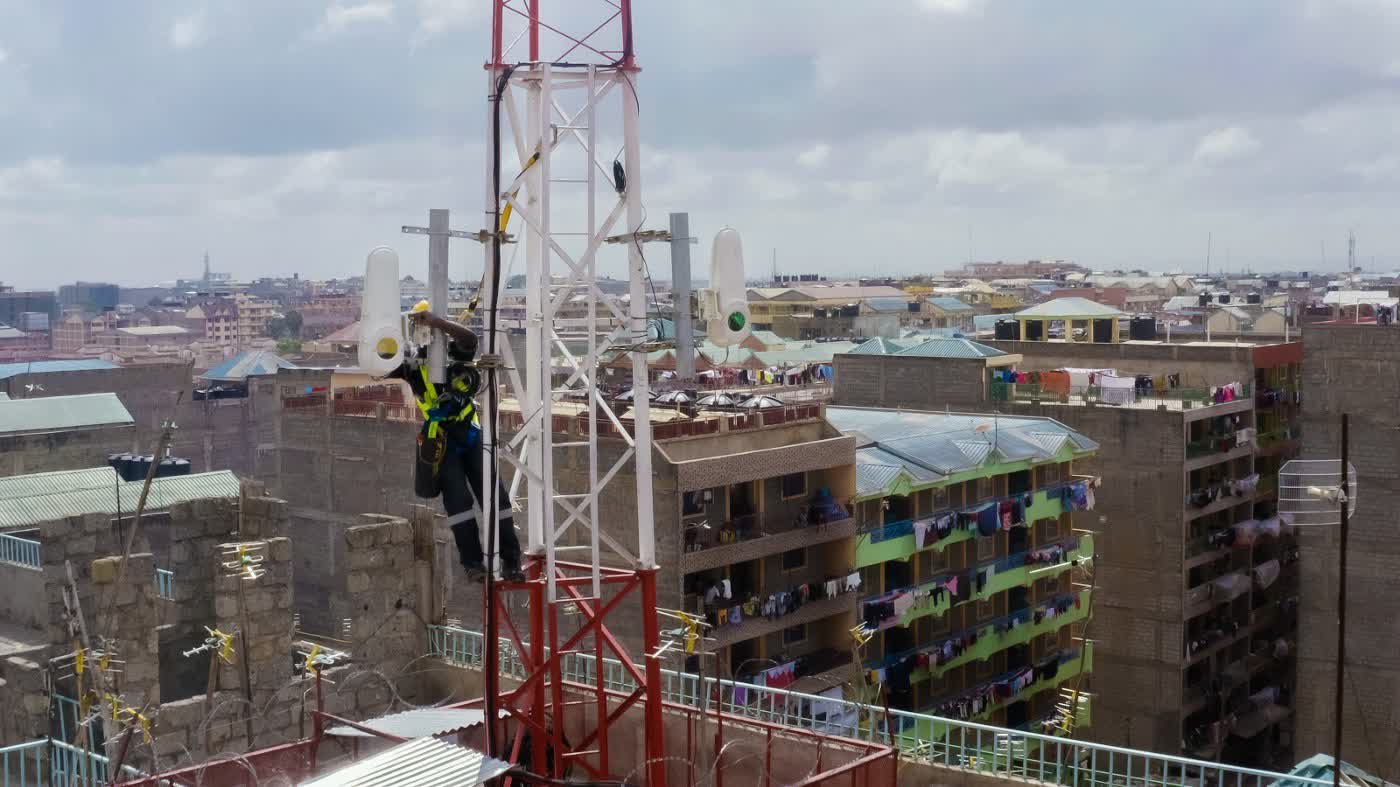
column 165, row 584
column 21, row 551
column 48, row 762
column 936, row 740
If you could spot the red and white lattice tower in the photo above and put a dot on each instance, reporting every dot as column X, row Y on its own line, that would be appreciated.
column 561, row 124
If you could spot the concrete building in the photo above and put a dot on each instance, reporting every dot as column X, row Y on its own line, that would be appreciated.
column 253, row 317
column 62, row 432
column 1350, row 368
column 944, row 312
column 90, row 296
column 1197, row 612
column 968, row 557
column 15, row 303
column 18, row 345
column 822, row 311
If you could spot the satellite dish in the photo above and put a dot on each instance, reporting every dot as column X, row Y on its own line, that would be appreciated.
column 1310, row 492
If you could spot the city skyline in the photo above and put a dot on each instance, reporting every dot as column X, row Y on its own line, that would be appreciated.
column 297, row 137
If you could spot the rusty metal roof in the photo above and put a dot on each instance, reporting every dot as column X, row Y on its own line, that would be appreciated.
column 425, row 762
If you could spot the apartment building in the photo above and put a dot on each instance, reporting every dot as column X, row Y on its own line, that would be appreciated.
column 1196, row 624
column 253, row 316
column 753, row 531
column 974, row 574
column 1350, row 368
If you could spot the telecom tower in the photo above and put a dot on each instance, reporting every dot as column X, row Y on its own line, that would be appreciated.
column 563, row 183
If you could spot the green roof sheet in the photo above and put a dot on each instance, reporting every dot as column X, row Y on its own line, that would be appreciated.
column 940, row 347
column 26, row 501
column 62, row 413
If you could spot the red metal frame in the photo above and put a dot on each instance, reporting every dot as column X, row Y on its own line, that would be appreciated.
column 543, row 656
column 612, row 27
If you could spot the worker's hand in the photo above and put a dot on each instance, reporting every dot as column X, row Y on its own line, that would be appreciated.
column 422, row 317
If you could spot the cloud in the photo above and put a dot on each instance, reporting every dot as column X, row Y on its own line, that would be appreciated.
column 815, row 156
column 4, row 55
column 441, row 16
column 1225, row 144
column 188, row 32
column 339, row 18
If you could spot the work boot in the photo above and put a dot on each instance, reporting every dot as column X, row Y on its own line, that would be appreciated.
column 512, row 573
column 476, row 572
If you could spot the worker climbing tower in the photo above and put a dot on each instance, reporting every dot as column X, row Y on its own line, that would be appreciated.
column 563, row 192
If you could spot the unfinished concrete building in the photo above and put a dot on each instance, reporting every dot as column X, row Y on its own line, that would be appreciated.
column 1350, row 368
column 1195, row 622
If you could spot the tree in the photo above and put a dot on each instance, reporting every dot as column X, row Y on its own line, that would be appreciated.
column 285, row 346
column 293, row 320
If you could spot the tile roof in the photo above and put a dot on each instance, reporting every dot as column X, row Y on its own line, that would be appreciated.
column 8, row 370
column 60, row 413
column 29, row 500
column 1064, row 308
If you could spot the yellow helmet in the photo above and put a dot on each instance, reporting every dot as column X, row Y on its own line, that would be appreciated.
column 418, row 307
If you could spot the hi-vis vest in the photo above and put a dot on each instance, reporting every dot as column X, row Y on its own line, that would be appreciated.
column 428, row 404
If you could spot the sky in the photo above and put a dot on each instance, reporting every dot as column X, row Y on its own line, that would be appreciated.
column 850, row 138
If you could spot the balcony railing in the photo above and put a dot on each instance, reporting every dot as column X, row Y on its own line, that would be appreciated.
column 998, row 391
column 964, row 745
column 20, row 551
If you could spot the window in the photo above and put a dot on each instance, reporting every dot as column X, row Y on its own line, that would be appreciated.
column 984, row 488
column 694, row 503
column 986, row 610
column 793, row 559
column 940, row 498
column 793, row 635
column 794, row 485
column 931, row 562
column 984, row 668
column 986, row 547
column 1049, row 528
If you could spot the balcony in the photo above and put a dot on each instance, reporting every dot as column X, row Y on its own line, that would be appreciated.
column 1007, row 573
column 1072, row 664
column 755, row 535
column 1171, row 399
column 758, row 626
column 992, row 639
column 896, row 540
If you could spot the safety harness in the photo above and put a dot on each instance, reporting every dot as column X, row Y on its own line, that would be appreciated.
column 434, row 414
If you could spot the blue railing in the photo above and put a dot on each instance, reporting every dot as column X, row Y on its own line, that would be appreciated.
column 165, row 584
column 943, row 742
column 22, row 551
column 47, row 762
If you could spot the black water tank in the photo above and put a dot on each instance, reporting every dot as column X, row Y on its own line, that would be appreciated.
column 1255, row 298
column 1143, row 328
column 1103, row 330
column 134, row 467
column 1034, row 331
column 1225, row 298
column 1204, row 300
column 1007, row 329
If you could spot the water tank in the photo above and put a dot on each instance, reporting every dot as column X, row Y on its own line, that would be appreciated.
column 1143, row 328
column 1007, row 329
column 1224, row 297
column 134, row 467
column 1103, row 331
column 1203, row 300
column 1035, row 331
column 1254, row 298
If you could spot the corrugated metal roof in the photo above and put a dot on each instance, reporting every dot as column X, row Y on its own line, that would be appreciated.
column 417, row 723
column 1319, row 766
column 949, row 304
column 425, row 762
column 52, row 496
column 248, row 364
column 888, row 304
column 928, row 447
column 940, row 347
column 878, row 346
column 8, row 370
column 55, row 482
column 1065, row 308
column 55, row 413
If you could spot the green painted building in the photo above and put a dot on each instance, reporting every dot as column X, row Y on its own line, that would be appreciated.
column 975, row 564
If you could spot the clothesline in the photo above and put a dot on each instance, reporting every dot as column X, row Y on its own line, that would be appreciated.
column 1081, row 494
column 1000, row 625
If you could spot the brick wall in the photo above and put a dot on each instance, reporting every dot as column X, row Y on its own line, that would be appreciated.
column 1352, row 369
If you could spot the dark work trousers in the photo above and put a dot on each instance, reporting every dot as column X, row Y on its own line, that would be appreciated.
column 461, row 487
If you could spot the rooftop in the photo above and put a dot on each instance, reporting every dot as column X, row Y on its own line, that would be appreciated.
column 6, row 332
column 154, row 330
column 949, row 304
column 8, row 370
column 253, row 363
column 28, row 500
column 1067, row 308
column 940, row 347
column 929, row 448
column 60, row 413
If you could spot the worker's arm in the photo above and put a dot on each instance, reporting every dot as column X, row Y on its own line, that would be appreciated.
column 464, row 337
